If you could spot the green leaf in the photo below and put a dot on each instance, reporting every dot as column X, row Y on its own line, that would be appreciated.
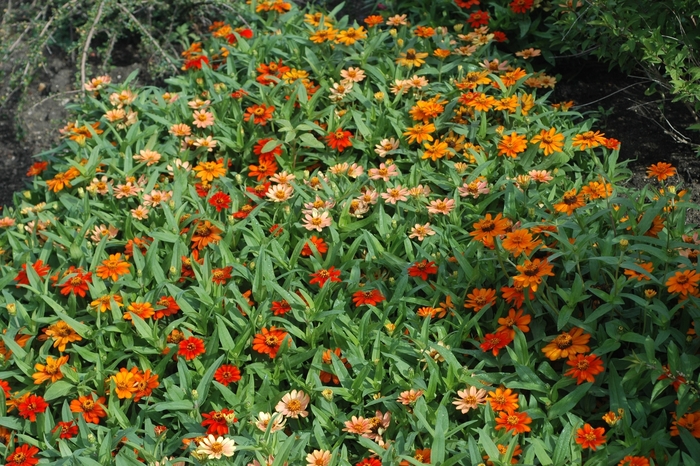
column 58, row 389
column 308, row 140
column 442, row 425
column 567, row 403
column 562, row 447
column 205, row 383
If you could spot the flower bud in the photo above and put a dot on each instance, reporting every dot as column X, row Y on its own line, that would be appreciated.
column 399, row 42
column 27, row 194
column 458, row 27
column 624, row 243
column 379, row 96
column 327, row 394
column 11, row 308
column 195, row 395
column 393, row 32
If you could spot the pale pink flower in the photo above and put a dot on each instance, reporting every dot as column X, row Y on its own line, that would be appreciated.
column 383, row 173
column 119, row 99
column 378, row 425
column 339, row 169
column 319, row 458
column 140, row 213
column 198, row 103
column 369, row 196
column 395, row 194
column 126, row 190
column 275, row 422
column 280, row 192
column 7, row 222
column 421, row 231
column 358, row 425
column 216, row 447
column 202, row 119
column 103, row 230
column 469, row 399
column 180, row 130
column 355, row 170
column 116, row 114
column 386, row 145
column 355, row 75
column 282, row 177
column 400, row 86
column 98, row 83
column 409, row 397
column 397, row 20
column 170, row 97
column 100, row 186
column 529, row 53
column 317, row 220
column 494, row 65
column 541, row 176
column 420, row 190
column 441, row 206
column 475, row 188
column 208, row 143
column 178, row 163
column 319, row 204
column 417, row 82
column 147, row 156
column 156, row 197
column 293, row 404
column 316, row 182
column 339, row 91
column 268, row 462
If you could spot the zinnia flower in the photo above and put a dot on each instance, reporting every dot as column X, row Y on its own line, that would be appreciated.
column 191, row 348
column 269, row 341
column 513, row 421
column 227, row 374
column 469, row 399
column 319, row 458
column 584, row 368
column 24, row 455
column 216, row 447
column 567, row 344
column 293, row 404
column 369, row 297
column 661, row 171
column 588, row 437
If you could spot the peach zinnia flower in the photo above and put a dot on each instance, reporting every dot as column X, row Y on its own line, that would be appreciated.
column 202, row 119
column 280, row 192
column 567, row 344
column 293, row 404
column 409, row 397
column 421, row 231
column 275, row 423
column 216, row 447
column 469, row 399
column 319, row 458
column 317, row 220
column 661, row 171
column 395, row 194
column 441, row 206
column 358, row 425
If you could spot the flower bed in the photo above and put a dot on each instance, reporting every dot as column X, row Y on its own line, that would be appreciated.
column 345, row 244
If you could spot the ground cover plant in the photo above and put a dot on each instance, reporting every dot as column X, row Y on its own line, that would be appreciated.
column 338, row 244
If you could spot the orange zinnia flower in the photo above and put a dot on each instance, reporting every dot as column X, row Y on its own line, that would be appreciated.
column 584, row 368
column 512, row 144
column 661, row 171
column 513, row 421
column 143, row 310
column 549, row 140
column 339, row 139
column 488, row 228
column 204, row 234
column 125, row 383
column 92, row 410
column 567, row 344
column 570, row 202
column 684, row 282
column 49, row 371
column 519, row 241
column 62, row 334
column 480, row 298
column 690, row 421
column 633, row 461
column 260, row 114
column 38, row 266
column 495, row 342
column 269, row 341
column 207, row 171
column 319, row 243
column 113, row 267
column 503, row 400
column 531, row 273
column 632, row 274
column 588, row 140
column 514, row 319
column 588, row 437
column 419, row 133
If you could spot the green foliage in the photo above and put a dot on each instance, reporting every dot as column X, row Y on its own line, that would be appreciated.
column 374, row 254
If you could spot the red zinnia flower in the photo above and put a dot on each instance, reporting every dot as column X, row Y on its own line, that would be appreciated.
column 422, row 269
column 323, row 275
column 280, row 307
column 202, row 191
column 220, row 276
column 32, row 406
column 588, row 437
column 369, row 297
column 226, row 374
column 170, row 307
column 478, row 18
column 496, row 341
column 23, row 456
column 369, row 462
column 195, row 62
column 37, row 168
column 259, row 190
column 521, row 6
column 513, row 421
column 215, row 421
column 269, row 341
column 339, row 139
column 499, row 36
column 220, row 201
column 466, row 3
column 191, row 348
column 584, row 368
column 5, row 388
column 38, row 266
column 258, row 149
column 321, row 246
column 68, row 429
column 78, row 284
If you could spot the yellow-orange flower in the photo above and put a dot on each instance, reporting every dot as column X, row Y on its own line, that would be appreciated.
column 531, row 273
column 419, row 133
column 125, row 383
column 62, row 334
column 567, row 344
column 204, row 234
column 49, row 371
column 411, row 58
column 207, row 171
column 113, row 267
column 684, row 282
column 351, row 35
column 588, row 140
column 550, row 141
column 514, row 319
column 512, row 144
column 571, row 200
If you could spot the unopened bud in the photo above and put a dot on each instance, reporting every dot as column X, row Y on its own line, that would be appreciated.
column 195, row 395
column 11, row 308
column 327, row 394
